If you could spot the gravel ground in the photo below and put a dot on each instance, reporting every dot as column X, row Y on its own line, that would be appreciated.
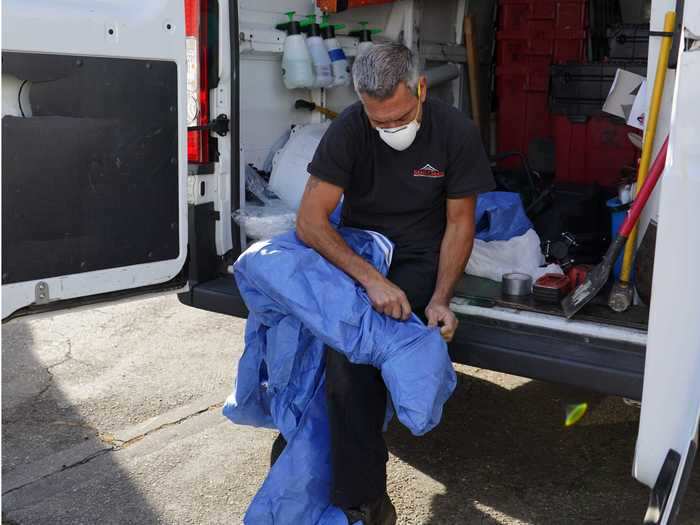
column 112, row 415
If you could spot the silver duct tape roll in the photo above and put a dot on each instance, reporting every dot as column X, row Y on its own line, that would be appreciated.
column 516, row 284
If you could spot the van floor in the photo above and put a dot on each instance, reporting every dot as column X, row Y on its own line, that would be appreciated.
column 485, row 292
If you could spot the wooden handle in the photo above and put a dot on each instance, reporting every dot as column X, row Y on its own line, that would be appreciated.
column 473, row 68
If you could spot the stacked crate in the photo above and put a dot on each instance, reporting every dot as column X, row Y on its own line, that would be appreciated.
column 592, row 149
column 532, row 35
column 590, row 146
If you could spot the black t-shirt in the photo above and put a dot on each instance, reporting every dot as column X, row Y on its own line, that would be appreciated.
column 403, row 194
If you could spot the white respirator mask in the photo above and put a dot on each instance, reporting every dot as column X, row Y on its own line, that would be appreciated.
column 402, row 137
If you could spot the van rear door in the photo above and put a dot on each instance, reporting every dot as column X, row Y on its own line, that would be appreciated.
column 94, row 151
column 668, row 430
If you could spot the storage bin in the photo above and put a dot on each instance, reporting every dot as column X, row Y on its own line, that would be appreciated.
column 522, row 116
column 580, row 90
column 629, row 42
column 591, row 150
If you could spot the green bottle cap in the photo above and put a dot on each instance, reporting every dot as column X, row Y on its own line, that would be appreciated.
column 310, row 27
column 290, row 26
column 364, row 34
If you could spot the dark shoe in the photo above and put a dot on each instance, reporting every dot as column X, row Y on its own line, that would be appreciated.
column 379, row 512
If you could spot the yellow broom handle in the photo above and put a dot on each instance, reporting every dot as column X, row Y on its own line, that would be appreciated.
column 650, row 132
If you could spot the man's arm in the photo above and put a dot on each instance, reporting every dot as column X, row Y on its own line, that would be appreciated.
column 313, row 227
column 455, row 249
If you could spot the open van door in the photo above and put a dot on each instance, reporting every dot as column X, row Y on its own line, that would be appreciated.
column 94, row 151
column 668, row 430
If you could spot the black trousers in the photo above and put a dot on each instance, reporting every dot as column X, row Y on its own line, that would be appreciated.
column 356, row 398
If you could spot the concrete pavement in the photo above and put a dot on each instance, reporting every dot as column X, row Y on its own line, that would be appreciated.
column 112, row 415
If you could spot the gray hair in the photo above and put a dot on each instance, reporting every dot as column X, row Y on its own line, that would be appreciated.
column 379, row 70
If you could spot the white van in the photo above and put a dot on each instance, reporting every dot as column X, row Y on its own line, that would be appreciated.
column 107, row 196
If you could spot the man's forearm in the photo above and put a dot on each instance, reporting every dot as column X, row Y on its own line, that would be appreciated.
column 314, row 228
column 323, row 238
column 455, row 249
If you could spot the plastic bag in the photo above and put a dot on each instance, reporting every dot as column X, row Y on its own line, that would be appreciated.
column 289, row 174
column 492, row 259
column 270, row 219
column 500, row 216
column 276, row 146
column 257, row 185
column 264, row 222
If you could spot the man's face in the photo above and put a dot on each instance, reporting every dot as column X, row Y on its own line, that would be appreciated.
column 397, row 110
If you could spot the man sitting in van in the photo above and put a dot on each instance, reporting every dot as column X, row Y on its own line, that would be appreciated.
column 410, row 168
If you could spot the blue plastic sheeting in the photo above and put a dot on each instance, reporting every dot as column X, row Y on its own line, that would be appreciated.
column 500, row 216
column 298, row 303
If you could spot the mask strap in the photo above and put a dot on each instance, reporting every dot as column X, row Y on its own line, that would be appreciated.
column 418, row 107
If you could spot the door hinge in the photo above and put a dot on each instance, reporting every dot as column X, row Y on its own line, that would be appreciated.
column 41, row 293
column 221, row 125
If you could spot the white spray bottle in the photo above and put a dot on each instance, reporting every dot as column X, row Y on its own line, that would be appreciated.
column 297, row 70
column 339, row 62
column 319, row 54
column 365, row 36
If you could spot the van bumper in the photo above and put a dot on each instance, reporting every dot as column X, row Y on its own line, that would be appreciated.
column 601, row 365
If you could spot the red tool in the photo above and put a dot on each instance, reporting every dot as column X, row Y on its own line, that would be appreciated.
column 577, row 274
column 551, row 288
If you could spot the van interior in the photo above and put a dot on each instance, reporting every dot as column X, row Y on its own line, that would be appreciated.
column 541, row 71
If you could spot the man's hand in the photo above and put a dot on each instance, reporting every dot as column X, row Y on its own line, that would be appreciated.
column 388, row 299
column 441, row 314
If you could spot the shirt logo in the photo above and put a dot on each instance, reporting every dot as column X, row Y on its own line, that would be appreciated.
column 428, row 171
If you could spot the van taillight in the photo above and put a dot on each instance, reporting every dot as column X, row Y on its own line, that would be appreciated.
column 197, row 80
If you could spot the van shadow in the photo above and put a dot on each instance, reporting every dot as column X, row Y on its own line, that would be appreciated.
column 504, row 456
column 44, row 439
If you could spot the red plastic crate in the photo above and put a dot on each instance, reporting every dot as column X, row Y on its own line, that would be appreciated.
column 542, row 9
column 532, row 35
column 570, row 16
column 510, row 52
column 593, row 151
column 540, row 36
column 531, row 73
column 513, row 16
column 522, row 115
column 569, row 50
column 513, row 50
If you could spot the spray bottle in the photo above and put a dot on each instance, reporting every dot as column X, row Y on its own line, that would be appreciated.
column 297, row 71
column 339, row 62
column 319, row 53
column 365, row 36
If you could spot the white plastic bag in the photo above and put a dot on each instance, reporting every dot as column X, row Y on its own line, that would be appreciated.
column 289, row 174
column 519, row 254
column 276, row 146
column 264, row 222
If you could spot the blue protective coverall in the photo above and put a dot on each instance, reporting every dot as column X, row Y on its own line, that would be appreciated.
column 298, row 303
